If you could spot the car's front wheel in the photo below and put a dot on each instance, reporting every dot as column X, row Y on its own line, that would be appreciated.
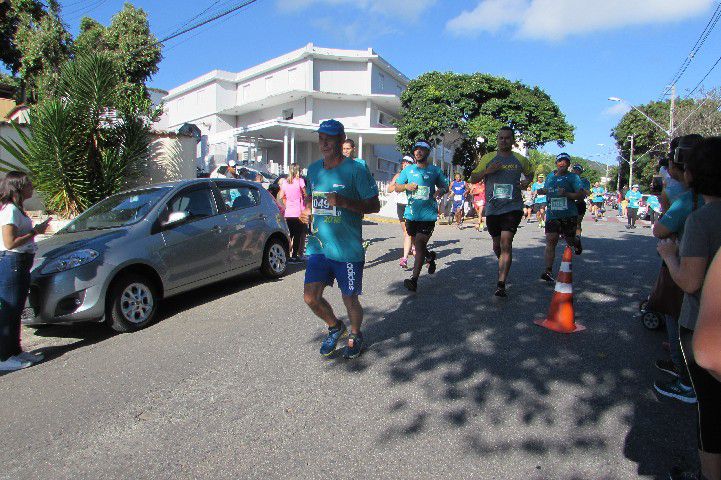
column 133, row 302
column 275, row 258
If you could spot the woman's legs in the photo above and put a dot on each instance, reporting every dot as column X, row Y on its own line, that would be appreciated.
column 406, row 241
column 14, row 286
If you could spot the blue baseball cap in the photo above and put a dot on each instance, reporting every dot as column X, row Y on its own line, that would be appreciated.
column 578, row 167
column 422, row 144
column 563, row 156
column 331, row 127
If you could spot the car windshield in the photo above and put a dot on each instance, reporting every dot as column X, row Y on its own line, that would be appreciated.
column 117, row 210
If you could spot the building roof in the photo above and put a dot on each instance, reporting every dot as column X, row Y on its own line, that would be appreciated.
column 309, row 50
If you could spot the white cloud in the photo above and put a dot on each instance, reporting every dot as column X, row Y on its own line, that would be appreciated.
column 408, row 9
column 617, row 110
column 557, row 19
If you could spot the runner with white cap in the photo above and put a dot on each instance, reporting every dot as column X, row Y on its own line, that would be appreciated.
column 401, row 203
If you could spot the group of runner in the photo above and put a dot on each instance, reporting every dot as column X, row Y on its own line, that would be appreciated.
column 340, row 191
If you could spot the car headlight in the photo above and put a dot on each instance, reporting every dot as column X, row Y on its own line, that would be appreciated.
column 70, row 260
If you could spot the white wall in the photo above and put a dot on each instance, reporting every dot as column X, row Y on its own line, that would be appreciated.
column 272, row 113
column 340, row 77
column 290, row 77
column 382, row 82
column 172, row 158
column 351, row 114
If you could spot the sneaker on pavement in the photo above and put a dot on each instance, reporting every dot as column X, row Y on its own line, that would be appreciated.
column 354, row 347
column 500, row 292
column 432, row 262
column 411, row 284
column 676, row 389
column 14, row 363
column 403, row 263
column 667, row 366
column 30, row 357
column 331, row 340
column 547, row 277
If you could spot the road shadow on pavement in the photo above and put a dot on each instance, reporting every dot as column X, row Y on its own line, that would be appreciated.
column 518, row 390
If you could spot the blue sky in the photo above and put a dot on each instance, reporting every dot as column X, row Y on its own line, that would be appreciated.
column 579, row 51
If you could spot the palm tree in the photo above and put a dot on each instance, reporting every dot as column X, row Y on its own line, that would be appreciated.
column 88, row 140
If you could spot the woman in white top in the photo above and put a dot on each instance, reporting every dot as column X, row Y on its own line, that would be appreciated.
column 401, row 202
column 17, row 251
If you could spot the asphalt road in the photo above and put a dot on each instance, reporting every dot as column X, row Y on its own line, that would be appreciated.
column 455, row 383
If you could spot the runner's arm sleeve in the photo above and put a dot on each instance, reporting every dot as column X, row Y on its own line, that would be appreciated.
column 525, row 165
column 673, row 218
column 482, row 165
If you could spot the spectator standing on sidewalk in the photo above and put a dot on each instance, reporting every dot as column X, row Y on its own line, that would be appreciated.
column 17, row 251
column 292, row 194
column 688, row 266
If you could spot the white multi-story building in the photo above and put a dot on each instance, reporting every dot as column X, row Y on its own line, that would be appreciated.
column 269, row 113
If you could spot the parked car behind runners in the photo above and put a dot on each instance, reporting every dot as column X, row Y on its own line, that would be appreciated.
column 118, row 259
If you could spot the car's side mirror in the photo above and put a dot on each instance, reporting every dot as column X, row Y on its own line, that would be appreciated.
column 175, row 218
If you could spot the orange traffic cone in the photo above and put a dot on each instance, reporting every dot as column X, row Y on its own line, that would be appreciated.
column 560, row 314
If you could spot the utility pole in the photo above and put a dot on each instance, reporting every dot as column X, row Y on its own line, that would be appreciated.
column 670, row 119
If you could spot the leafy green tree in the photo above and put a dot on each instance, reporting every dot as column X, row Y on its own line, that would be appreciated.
column 477, row 105
column 91, row 37
column 89, row 141
column 44, row 45
column 134, row 47
column 10, row 14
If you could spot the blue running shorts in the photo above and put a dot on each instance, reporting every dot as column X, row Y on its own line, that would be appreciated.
column 323, row 270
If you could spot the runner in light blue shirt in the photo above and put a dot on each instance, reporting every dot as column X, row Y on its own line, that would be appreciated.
column 338, row 192
column 422, row 183
column 633, row 196
column 562, row 189
column 539, row 201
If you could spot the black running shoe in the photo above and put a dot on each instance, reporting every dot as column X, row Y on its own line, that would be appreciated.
column 411, row 284
column 579, row 247
column 547, row 277
column 501, row 292
column 432, row 263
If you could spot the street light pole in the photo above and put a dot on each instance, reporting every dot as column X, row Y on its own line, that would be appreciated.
column 630, row 164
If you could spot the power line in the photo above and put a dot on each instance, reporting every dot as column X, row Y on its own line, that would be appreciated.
column 211, row 19
column 710, row 25
column 704, row 77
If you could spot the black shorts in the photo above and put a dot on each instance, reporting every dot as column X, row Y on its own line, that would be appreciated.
column 538, row 206
column 581, row 207
column 413, row 227
column 598, row 204
column 565, row 226
column 505, row 222
column 401, row 210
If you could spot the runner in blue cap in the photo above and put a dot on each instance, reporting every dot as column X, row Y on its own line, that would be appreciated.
column 422, row 183
column 339, row 191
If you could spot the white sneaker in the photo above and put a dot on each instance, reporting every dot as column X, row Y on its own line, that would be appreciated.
column 30, row 357
column 14, row 363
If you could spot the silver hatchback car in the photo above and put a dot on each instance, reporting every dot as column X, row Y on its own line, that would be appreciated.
column 118, row 259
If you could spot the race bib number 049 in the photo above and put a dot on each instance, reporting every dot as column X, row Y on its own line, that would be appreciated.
column 560, row 203
column 321, row 207
column 503, row 191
